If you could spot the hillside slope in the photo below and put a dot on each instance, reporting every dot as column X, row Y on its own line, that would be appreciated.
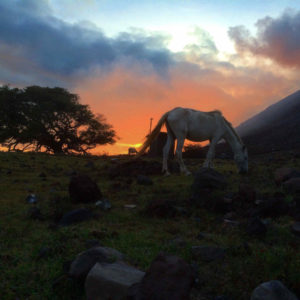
column 275, row 128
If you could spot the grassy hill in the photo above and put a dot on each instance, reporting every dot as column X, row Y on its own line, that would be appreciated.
column 34, row 253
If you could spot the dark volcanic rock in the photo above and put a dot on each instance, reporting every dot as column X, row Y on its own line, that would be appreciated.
column 160, row 208
column 83, row 189
column 111, row 281
column 144, row 180
column 168, row 278
column 206, row 178
column 283, row 174
column 86, row 260
column 272, row 208
column 247, row 193
column 256, row 227
column 75, row 216
column 272, row 290
column 208, row 253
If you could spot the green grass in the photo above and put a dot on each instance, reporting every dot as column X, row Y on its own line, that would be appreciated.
column 140, row 238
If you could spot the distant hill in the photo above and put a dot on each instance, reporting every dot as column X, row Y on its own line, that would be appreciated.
column 275, row 128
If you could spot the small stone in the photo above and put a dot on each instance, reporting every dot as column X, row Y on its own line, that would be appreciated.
column 130, row 206
column 103, row 204
column 31, row 198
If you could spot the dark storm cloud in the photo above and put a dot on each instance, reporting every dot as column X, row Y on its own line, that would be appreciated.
column 59, row 47
column 277, row 39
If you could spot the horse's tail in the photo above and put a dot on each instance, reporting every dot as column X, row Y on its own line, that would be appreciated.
column 151, row 137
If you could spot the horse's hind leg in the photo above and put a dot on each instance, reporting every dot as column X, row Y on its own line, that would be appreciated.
column 183, row 169
column 166, row 152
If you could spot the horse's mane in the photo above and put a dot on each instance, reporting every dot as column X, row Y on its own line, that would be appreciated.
column 234, row 131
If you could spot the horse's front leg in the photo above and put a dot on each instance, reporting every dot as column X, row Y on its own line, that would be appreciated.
column 183, row 168
column 210, row 153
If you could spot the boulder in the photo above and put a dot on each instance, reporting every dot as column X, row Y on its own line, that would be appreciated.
column 111, row 281
column 283, row 174
column 247, row 193
column 168, row 278
column 83, row 189
column 272, row 290
column 84, row 261
column 75, row 216
column 256, row 227
column 208, row 253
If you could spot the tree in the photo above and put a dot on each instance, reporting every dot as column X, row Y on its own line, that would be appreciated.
column 51, row 119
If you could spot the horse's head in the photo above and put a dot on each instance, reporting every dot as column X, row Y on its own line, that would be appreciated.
column 241, row 159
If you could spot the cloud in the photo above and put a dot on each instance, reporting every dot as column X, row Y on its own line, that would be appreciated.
column 66, row 49
column 277, row 39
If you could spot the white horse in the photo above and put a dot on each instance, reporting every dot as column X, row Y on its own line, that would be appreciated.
column 197, row 126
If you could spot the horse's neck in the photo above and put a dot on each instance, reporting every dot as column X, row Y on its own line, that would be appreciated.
column 232, row 139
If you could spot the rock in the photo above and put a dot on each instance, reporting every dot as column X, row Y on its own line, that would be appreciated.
column 296, row 228
column 75, row 216
column 283, row 174
column 130, row 206
column 272, row 290
column 111, row 281
column 168, row 278
column 160, row 208
column 256, row 227
column 87, row 259
column 31, row 198
column 292, row 185
column 272, row 208
column 208, row 253
column 247, row 193
column 103, row 204
column 207, row 179
column 144, row 180
column 34, row 213
column 83, row 189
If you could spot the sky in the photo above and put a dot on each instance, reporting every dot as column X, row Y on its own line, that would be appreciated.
column 135, row 60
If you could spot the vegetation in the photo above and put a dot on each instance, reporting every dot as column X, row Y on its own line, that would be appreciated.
column 50, row 119
column 26, row 274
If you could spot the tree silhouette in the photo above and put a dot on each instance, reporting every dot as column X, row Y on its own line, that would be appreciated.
column 50, row 119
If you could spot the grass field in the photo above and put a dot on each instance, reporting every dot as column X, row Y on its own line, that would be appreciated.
column 26, row 275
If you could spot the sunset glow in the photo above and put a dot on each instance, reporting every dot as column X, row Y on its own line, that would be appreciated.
column 134, row 60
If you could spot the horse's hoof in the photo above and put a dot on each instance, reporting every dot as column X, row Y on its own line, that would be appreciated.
column 188, row 173
column 167, row 174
